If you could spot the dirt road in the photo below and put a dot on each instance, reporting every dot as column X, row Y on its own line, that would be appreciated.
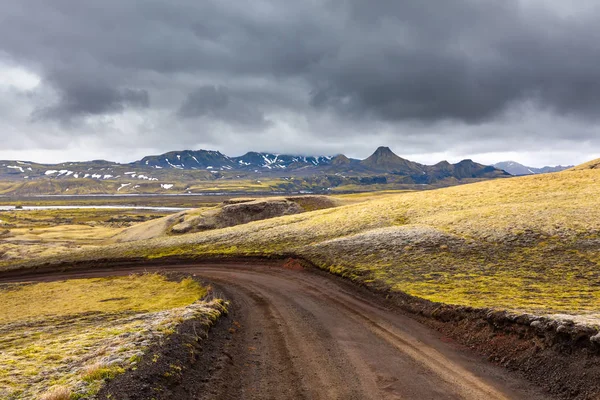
column 303, row 335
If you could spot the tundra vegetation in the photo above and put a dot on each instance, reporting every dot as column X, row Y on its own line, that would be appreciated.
column 62, row 340
column 524, row 244
column 42, row 233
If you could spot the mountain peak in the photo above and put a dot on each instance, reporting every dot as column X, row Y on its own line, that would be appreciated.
column 340, row 159
column 383, row 157
column 384, row 150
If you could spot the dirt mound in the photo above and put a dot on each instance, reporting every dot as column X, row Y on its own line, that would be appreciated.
column 312, row 203
column 241, row 211
column 237, row 214
column 231, row 213
column 293, row 264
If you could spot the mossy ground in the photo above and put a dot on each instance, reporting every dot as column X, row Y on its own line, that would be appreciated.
column 529, row 243
column 42, row 233
column 71, row 335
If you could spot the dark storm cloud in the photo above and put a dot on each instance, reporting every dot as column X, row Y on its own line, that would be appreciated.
column 88, row 98
column 205, row 100
column 348, row 65
column 216, row 102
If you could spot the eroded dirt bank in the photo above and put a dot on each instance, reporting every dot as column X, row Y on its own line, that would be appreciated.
column 293, row 333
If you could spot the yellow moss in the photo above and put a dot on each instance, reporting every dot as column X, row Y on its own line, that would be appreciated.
column 149, row 292
column 57, row 329
column 99, row 372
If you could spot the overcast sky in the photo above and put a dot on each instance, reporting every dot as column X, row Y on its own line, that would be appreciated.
column 483, row 79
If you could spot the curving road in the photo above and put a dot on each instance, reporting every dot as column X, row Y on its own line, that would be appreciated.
column 303, row 335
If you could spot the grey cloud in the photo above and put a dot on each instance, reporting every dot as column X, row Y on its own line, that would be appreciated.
column 463, row 60
column 217, row 102
column 204, row 101
column 85, row 99
column 429, row 75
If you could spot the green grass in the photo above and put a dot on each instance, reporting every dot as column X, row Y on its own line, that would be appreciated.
column 68, row 336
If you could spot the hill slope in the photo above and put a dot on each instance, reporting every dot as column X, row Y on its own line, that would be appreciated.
column 594, row 164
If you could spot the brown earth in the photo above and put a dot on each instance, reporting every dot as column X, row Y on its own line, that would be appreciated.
column 294, row 333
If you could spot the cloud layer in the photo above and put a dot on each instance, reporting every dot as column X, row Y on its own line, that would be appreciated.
column 470, row 78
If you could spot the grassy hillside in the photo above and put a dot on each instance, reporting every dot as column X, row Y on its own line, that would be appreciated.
column 77, row 333
column 528, row 243
column 588, row 165
column 41, row 233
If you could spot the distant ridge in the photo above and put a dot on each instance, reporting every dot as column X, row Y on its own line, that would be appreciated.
column 514, row 168
column 187, row 171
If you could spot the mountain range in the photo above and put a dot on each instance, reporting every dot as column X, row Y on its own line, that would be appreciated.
column 192, row 171
column 514, row 168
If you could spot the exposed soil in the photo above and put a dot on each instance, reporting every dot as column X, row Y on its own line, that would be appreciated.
column 294, row 333
column 185, row 365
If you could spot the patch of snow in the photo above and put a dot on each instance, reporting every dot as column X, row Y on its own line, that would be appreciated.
column 63, row 171
column 15, row 167
column 107, row 176
column 50, row 172
column 29, row 169
column 96, row 176
column 69, row 173
column 123, row 185
column 129, row 173
column 75, row 175
column 166, row 185
column 209, row 167
column 158, row 167
column 173, row 165
column 178, row 157
column 195, row 159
